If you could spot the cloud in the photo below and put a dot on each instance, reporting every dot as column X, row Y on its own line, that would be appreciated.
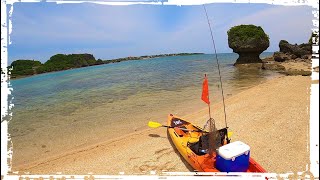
column 88, row 26
column 291, row 23
column 44, row 29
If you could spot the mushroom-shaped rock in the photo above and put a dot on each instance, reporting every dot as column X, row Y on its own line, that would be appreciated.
column 249, row 41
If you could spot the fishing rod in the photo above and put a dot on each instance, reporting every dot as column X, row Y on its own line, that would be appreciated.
column 215, row 51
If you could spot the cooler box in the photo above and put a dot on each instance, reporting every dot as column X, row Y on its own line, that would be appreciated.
column 233, row 157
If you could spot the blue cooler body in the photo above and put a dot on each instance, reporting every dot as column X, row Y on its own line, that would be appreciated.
column 233, row 157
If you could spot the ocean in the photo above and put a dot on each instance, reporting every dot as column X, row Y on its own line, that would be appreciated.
column 60, row 111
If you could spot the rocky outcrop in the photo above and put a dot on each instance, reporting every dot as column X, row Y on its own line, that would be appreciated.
column 295, row 50
column 280, row 57
column 295, row 72
column 291, row 60
column 249, row 66
column 286, row 64
column 249, row 42
column 273, row 67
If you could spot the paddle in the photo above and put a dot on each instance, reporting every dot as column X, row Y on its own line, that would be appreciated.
column 153, row 124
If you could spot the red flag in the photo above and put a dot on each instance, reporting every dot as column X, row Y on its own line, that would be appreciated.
column 205, row 90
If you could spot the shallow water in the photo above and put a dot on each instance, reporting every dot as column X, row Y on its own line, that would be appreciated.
column 58, row 111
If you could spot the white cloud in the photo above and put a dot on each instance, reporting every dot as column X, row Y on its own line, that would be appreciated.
column 291, row 23
column 119, row 31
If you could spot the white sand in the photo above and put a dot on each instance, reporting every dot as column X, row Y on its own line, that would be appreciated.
column 272, row 118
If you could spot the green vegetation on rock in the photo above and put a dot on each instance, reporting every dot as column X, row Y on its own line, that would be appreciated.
column 57, row 62
column 24, row 67
column 247, row 32
column 60, row 62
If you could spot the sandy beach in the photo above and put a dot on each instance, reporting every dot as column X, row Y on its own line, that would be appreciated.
column 272, row 118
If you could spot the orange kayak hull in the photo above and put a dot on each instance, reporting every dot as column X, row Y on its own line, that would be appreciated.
column 185, row 133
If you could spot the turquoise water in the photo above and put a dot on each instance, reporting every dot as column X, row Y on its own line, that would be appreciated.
column 112, row 82
column 53, row 110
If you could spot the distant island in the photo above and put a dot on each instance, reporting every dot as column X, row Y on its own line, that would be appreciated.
column 59, row 62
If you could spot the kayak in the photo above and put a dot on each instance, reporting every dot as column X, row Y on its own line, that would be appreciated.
column 188, row 140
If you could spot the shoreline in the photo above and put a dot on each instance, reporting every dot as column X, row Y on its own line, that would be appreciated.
column 109, row 61
column 117, row 60
column 98, row 154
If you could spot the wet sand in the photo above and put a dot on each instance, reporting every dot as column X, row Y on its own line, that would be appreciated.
column 272, row 118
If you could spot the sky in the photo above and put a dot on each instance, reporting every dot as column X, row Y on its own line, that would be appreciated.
column 43, row 29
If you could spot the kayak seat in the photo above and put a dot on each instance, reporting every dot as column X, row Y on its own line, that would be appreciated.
column 196, row 148
column 200, row 147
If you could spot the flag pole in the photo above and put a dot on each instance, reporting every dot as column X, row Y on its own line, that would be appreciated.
column 209, row 111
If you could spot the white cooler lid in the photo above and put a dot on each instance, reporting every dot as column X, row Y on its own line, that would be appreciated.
column 233, row 149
